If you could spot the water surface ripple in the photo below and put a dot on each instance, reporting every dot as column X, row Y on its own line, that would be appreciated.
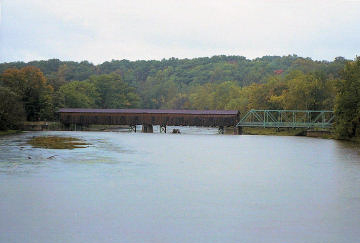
column 196, row 187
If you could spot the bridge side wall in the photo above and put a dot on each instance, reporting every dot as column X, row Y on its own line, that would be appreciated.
column 153, row 119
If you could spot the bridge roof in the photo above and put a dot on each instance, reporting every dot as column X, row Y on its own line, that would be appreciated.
column 150, row 111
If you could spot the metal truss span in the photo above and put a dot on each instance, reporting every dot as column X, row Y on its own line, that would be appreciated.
column 287, row 119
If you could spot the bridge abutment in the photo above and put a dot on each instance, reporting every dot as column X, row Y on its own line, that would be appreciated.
column 163, row 128
column 221, row 130
column 133, row 128
column 237, row 130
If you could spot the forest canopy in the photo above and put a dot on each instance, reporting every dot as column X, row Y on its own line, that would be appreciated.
column 218, row 82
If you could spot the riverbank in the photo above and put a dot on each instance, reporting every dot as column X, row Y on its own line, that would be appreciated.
column 56, row 126
column 9, row 132
column 272, row 131
column 354, row 140
column 287, row 132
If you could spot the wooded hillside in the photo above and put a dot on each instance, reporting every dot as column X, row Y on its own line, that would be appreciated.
column 219, row 82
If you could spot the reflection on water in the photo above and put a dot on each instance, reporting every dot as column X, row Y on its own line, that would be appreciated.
column 194, row 187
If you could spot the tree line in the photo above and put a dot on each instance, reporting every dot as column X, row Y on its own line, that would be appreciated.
column 35, row 90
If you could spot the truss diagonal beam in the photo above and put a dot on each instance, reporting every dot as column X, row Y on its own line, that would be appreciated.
column 287, row 118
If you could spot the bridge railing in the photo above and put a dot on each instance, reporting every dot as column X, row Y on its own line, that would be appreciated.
column 287, row 118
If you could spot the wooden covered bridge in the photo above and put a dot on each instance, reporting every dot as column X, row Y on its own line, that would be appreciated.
column 149, row 117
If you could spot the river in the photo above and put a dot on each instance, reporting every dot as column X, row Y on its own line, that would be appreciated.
column 196, row 187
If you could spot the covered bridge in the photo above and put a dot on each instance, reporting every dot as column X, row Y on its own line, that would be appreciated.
column 149, row 117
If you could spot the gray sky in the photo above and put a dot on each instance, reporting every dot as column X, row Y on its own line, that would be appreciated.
column 101, row 30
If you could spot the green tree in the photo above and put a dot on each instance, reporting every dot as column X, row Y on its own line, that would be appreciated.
column 269, row 82
column 215, row 96
column 347, row 104
column 159, row 90
column 11, row 109
column 78, row 94
column 114, row 92
column 202, row 97
column 30, row 84
column 302, row 91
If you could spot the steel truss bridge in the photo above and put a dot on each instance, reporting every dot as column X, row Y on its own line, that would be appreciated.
column 287, row 119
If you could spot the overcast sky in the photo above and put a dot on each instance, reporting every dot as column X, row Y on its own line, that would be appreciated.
column 102, row 30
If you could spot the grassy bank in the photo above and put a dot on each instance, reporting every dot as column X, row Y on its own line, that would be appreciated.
column 354, row 140
column 54, row 142
column 41, row 125
column 273, row 131
column 9, row 132
column 287, row 132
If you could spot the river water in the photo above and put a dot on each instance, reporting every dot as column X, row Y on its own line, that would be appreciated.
column 192, row 187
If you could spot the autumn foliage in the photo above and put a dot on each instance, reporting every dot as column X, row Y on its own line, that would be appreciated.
column 37, row 89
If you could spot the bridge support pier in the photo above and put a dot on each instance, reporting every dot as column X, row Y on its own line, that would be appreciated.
column 237, row 130
column 163, row 128
column 221, row 130
column 133, row 128
column 66, row 126
column 146, row 128
column 78, row 127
